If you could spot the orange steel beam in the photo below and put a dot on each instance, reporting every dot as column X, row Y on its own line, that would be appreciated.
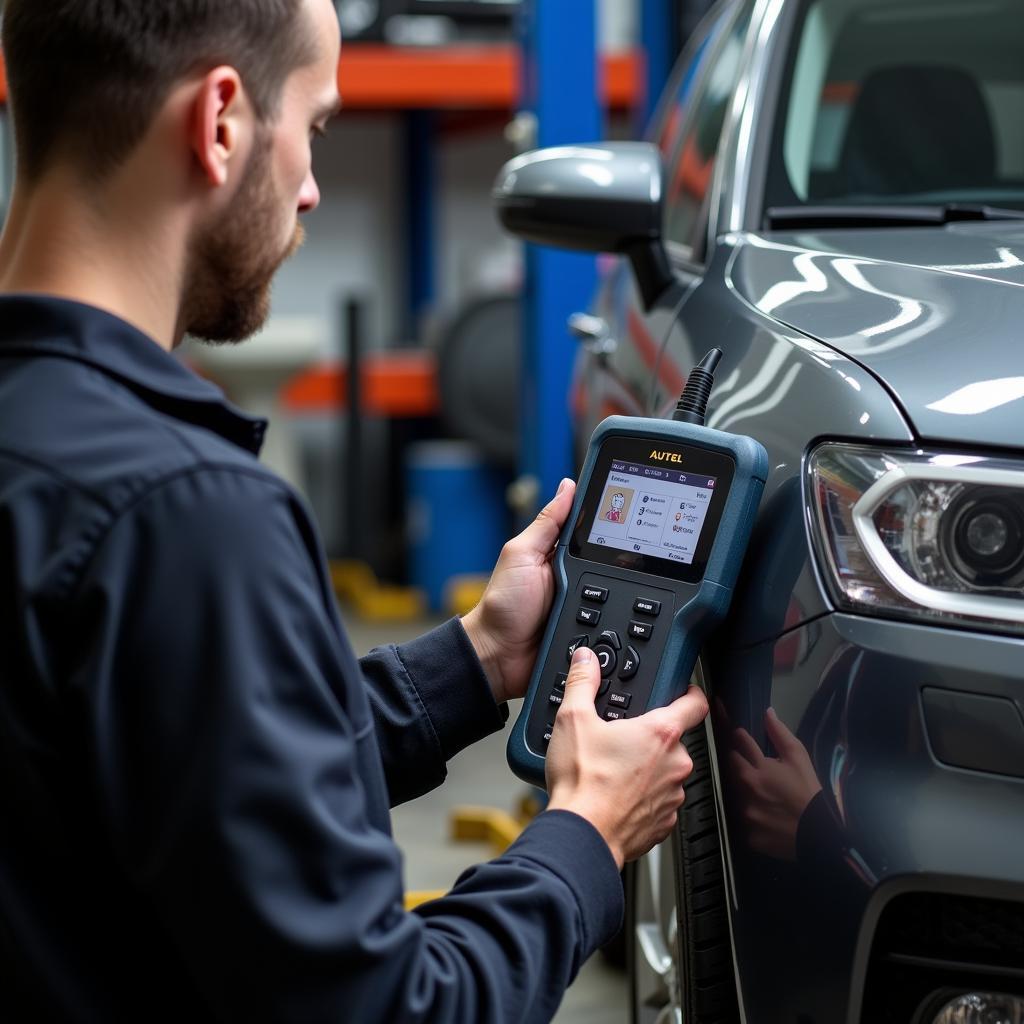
column 622, row 73
column 375, row 77
column 396, row 383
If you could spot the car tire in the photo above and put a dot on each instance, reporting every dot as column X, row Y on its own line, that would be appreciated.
column 679, row 953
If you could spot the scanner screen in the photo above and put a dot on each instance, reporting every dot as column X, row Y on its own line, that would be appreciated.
column 652, row 511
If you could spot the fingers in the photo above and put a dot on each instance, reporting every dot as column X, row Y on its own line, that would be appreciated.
column 680, row 768
column 665, row 826
column 687, row 711
column 742, row 771
column 542, row 534
column 782, row 739
column 583, row 680
column 745, row 746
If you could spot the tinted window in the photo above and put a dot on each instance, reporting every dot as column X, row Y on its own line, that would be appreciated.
column 694, row 161
column 670, row 119
column 918, row 101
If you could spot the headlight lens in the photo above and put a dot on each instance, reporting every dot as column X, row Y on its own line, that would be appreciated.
column 925, row 535
column 981, row 1008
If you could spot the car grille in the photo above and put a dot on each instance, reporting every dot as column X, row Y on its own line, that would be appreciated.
column 928, row 943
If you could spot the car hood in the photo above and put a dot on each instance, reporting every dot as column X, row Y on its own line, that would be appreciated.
column 937, row 314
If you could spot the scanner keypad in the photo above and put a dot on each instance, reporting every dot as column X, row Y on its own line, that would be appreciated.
column 628, row 646
column 630, row 664
column 606, row 658
column 647, row 606
column 641, row 630
column 577, row 641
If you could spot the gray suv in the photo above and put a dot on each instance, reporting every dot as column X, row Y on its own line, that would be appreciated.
column 833, row 194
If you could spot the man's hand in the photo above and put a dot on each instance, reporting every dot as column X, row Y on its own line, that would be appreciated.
column 626, row 777
column 772, row 793
column 506, row 627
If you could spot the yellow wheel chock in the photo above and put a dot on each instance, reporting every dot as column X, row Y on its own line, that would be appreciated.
column 469, row 824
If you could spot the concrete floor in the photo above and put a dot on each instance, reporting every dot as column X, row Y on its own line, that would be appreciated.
column 480, row 776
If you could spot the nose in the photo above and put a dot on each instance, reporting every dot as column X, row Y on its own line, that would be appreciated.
column 309, row 195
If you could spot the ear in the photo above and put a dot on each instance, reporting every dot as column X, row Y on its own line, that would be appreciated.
column 221, row 122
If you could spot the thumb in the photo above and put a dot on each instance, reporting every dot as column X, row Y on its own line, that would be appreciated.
column 542, row 534
column 583, row 681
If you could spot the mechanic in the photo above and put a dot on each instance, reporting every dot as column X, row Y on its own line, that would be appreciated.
column 195, row 770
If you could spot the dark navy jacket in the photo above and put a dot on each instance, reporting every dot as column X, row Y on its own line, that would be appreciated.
column 195, row 771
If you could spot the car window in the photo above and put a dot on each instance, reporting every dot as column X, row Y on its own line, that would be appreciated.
column 908, row 101
column 669, row 118
column 694, row 157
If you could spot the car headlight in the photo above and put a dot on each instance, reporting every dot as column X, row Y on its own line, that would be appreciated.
column 930, row 536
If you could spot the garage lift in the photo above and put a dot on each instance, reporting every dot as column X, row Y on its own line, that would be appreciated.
column 560, row 90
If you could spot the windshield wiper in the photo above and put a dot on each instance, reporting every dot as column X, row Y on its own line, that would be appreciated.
column 793, row 217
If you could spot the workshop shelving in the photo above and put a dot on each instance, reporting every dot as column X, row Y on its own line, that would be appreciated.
column 395, row 383
column 377, row 77
column 492, row 80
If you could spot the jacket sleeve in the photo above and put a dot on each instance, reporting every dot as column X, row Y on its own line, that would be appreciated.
column 233, row 757
column 430, row 699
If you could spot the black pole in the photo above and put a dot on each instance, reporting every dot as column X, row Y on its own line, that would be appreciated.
column 353, row 473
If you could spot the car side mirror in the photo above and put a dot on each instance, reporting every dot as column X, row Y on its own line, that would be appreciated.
column 605, row 197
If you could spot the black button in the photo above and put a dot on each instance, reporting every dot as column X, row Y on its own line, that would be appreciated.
column 555, row 699
column 609, row 636
column 598, row 594
column 613, row 716
column 605, row 683
column 577, row 641
column 560, row 682
column 548, row 730
column 641, row 630
column 588, row 616
column 606, row 659
column 647, row 607
column 620, row 699
column 630, row 664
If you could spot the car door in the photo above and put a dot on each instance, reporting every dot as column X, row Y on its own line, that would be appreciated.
column 689, row 178
column 627, row 367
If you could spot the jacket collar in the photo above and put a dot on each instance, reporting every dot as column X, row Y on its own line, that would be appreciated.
column 40, row 324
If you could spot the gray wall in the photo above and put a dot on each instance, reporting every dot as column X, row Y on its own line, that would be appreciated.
column 355, row 240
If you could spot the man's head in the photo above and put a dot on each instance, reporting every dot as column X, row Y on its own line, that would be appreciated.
column 213, row 101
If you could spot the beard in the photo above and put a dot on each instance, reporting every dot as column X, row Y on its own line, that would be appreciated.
column 231, row 271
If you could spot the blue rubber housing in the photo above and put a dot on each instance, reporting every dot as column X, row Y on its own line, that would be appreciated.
column 699, row 613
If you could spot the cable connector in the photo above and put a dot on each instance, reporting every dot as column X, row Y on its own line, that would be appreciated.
column 693, row 402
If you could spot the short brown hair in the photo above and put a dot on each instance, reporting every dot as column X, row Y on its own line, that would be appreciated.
column 87, row 77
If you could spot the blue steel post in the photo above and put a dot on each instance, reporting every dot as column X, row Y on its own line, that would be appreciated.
column 658, row 46
column 560, row 88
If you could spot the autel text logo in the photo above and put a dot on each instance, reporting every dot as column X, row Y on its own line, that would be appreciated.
column 665, row 456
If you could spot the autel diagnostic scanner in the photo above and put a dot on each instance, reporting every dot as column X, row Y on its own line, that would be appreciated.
column 646, row 564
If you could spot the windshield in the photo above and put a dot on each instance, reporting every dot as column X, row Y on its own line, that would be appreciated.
column 917, row 102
